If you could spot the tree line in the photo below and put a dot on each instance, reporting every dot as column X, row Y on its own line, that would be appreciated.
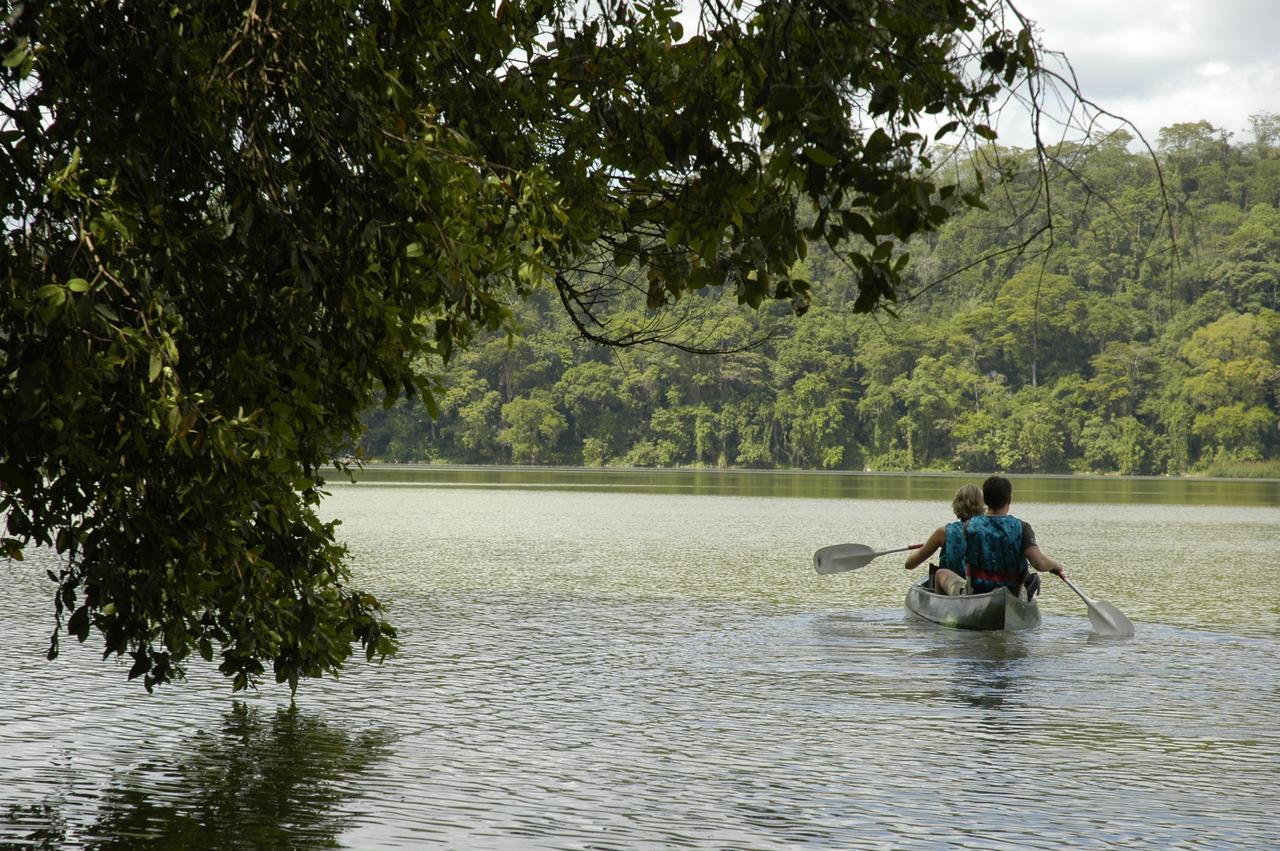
column 1126, row 324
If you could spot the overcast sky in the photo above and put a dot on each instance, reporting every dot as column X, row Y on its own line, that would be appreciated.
column 1158, row 62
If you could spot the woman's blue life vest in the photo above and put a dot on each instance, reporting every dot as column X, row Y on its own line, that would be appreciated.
column 954, row 548
column 994, row 553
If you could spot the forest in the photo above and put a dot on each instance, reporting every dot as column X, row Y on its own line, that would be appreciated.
column 1123, row 322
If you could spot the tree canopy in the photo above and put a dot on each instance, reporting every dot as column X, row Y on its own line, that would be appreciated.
column 1122, row 349
column 227, row 226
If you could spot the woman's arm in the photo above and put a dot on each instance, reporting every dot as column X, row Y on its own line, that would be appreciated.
column 930, row 547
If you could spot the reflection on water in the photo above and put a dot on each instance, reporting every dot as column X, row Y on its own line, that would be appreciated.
column 832, row 485
column 630, row 670
column 260, row 780
column 988, row 669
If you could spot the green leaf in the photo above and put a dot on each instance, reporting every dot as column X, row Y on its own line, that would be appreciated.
column 18, row 55
column 141, row 664
column 819, row 156
column 78, row 624
column 994, row 60
column 877, row 145
column 883, row 99
column 857, row 223
column 949, row 127
column 78, row 285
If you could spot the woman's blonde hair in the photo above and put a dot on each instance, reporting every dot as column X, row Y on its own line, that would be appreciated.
column 968, row 502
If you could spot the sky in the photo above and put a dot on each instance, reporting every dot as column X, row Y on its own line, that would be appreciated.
column 1158, row 62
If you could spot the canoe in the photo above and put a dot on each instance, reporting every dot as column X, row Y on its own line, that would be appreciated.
column 997, row 609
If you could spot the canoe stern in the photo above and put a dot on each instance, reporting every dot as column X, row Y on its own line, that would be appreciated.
column 992, row 611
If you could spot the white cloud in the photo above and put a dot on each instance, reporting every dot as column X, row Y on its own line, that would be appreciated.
column 1213, row 69
column 1157, row 62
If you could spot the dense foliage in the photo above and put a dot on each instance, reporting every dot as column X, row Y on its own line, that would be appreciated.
column 1125, row 348
column 225, row 226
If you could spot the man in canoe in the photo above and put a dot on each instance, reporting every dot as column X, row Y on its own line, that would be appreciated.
column 1000, row 547
column 952, row 540
column 982, row 552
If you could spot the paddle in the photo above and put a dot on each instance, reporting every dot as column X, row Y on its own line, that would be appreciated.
column 838, row 558
column 1105, row 618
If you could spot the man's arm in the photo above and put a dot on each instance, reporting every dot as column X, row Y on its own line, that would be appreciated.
column 930, row 547
column 1040, row 561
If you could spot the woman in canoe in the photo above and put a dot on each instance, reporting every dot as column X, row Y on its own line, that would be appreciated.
column 950, row 539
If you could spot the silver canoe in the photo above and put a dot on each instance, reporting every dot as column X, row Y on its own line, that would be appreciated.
column 994, row 610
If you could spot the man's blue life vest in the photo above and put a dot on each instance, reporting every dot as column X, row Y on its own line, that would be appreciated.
column 953, row 548
column 994, row 553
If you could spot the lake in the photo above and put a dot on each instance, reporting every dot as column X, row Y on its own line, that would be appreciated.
column 609, row 659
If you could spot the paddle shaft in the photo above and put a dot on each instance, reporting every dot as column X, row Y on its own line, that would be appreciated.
column 1079, row 593
column 898, row 550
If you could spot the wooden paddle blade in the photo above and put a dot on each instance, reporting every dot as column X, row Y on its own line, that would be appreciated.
column 838, row 558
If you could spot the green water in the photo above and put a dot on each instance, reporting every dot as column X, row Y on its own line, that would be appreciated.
column 815, row 485
column 648, row 660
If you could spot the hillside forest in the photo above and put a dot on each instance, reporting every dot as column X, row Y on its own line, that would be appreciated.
column 1125, row 323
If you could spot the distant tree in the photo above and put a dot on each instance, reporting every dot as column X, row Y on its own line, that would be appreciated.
column 1265, row 127
column 673, row 428
column 1234, row 360
column 474, row 409
column 594, row 452
column 1032, row 436
column 597, row 406
column 529, row 426
column 1040, row 319
column 1122, row 374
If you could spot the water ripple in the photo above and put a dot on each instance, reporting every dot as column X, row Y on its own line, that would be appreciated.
column 626, row 689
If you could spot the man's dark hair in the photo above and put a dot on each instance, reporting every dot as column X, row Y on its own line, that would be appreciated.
column 996, row 492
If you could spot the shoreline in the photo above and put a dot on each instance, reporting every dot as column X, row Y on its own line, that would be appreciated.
column 418, row 466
